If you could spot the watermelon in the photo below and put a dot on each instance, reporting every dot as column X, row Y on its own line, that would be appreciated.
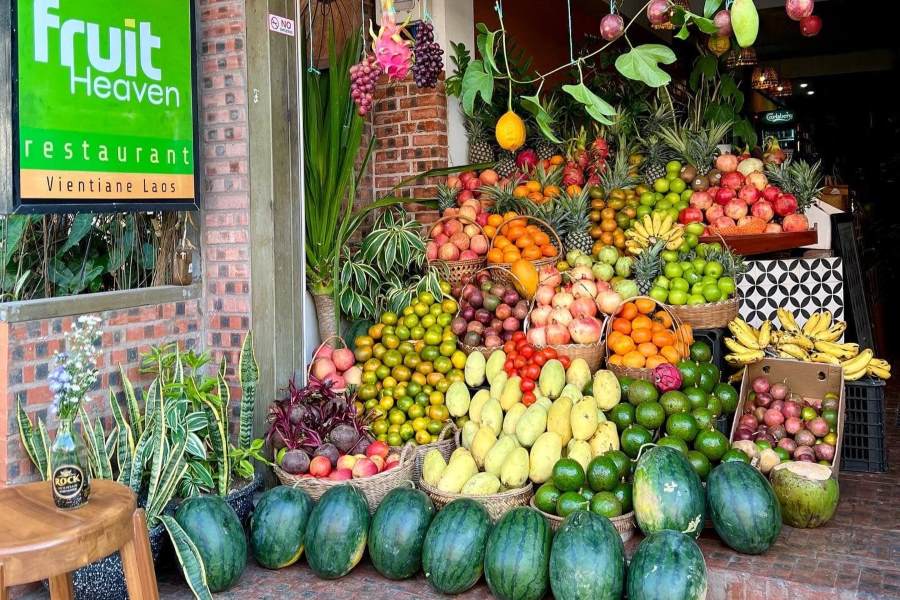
column 668, row 493
column 397, row 532
column 808, row 493
column 517, row 555
column 453, row 556
column 667, row 565
column 278, row 525
column 336, row 532
column 216, row 531
column 743, row 507
column 587, row 561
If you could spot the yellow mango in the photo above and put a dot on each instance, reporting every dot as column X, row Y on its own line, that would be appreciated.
column 547, row 449
column 605, row 439
column 584, row 419
column 545, row 402
column 498, row 453
column 578, row 374
column 468, row 433
column 433, row 466
column 552, row 379
column 483, row 442
column 460, row 452
column 461, row 468
column 482, row 484
column 492, row 416
column 570, row 391
column 512, row 417
column 457, row 399
column 475, row 368
column 514, row 472
column 511, row 393
column 475, row 406
column 580, row 451
column 606, row 389
column 558, row 418
column 497, row 385
column 494, row 365
column 532, row 424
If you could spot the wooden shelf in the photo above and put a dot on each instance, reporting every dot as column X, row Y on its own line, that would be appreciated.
column 764, row 243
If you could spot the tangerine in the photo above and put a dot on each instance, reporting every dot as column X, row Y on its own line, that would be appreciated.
column 532, row 253
column 641, row 335
column 621, row 325
column 615, row 359
column 533, row 186
column 495, row 255
column 648, row 349
column 495, row 220
column 490, row 231
column 501, row 241
column 642, row 322
column 645, row 305
column 628, row 311
column 634, row 360
column 670, row 354
column 622, row 345
column 654, row 361
column 549, row 250
column 664, row 318
column 664, row 338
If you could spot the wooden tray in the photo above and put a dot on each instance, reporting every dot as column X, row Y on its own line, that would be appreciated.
column 764, row 243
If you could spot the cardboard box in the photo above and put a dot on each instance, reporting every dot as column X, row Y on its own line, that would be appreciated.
column 806, row 380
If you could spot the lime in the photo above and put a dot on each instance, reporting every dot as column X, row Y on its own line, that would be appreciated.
column 650, row 414
column 709, row 376
column 625, row 385
column 700, row 463
column 546, row 497
column 622, row 461
column 622, row 415
column 701, row 352
column 735, row 455
column 783, row 454
column 569, row 502
column 683, row 426
column 673, row 442
column 568, row 475
column 634, row 437
column 714, row 405
column 642, row 391
column 603, row 473
column 394, row 439
column 712, row 444
column 675, row 402
column 763, row 444
column 623, row 493
column 606, row 504
column 704, row 418
column 690, row 373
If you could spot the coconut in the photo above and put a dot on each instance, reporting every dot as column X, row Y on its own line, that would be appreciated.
column 808, row 493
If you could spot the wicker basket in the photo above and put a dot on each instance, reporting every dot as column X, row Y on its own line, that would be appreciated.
column 591, row 353
column 506, row 277
column 497, row 505
column 708, row 316
column 498, row 274
column 624, row 524
column 446, row 444
column 374, row 488
column 457, row 271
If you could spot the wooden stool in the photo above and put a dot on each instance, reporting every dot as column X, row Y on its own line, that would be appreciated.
column 39, row 541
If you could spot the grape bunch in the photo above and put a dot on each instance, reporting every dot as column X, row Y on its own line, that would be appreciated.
column 363, row 78
column 429, row 57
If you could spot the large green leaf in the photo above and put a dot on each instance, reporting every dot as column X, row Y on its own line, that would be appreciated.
column 26, row 433
column 124, row 440
column 599, row 109
column 13, row 230
column 710, row 7
column 134, row 412
column 545, row 122
column 477, row 81
column 81, row 226
column 189, row 558
column 248, row 377
column 42, row 448
column 486, row 43
column 641, row 63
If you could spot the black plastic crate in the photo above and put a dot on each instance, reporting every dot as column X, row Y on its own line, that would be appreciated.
column 862, row 449
column 716, row 340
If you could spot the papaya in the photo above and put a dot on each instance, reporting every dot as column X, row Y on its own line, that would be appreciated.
column 492, row 416
column 433, row 466
column 475, row 369
column 606, row 389
column 531, row 425
column 552, row 379
column 484, row 440
column 457, row 399
column 584, row 419
column 476, row 404
column 499, row 452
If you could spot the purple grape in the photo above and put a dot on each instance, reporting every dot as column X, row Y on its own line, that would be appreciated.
column 429, row 61
column 363, row 78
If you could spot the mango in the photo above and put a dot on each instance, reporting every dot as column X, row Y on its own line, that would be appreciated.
column 514, row 472
column 570, row 391
column 580, row 451
column 498, row 454
column 494, row 365
column 559, row 418
column 475, row 369
column 482, row 484
column 484, row 440
column 578, row 374
column 545, row 402
column 459, row 470
column 511, row 393
column 531, row 425
column 460, row 452
column 512, row 417
column 492, row 416
column 584, row 419
column 475, row 406
column 606, row 389
column 457, row 399
column 433, row 466
column 552, row 379
column 497, row 385
column 744, row 22
column 468, row 433
column 547, row 449
column 605, row 439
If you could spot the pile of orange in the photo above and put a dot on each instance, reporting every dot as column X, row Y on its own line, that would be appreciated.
column 644, row 337
column 513, row 238
column 537, row 191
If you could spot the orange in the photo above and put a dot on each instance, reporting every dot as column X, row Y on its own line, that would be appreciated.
column 495, row 220
column 663, row 317
column 648, row 349
column 641, row 335
column 524, row 241
column 495, row 255
column 615, row 359
column 628, row 311
column 670, row 354
column 622, row 345
column 557, row 160
column 533, row 186
column 664, row 338
column 515, row 232
column 621, row 325
column 540, row 238
column 520, row 192
column 552, row 191
column 490, row 231
column 511, row 256
column 501, row 241
column 634, row 359
column 548, row 250
column 532, row 253
column 608, row 225
column 655, row 361
column 645, row 305
column 536, row 197
column 642, row 322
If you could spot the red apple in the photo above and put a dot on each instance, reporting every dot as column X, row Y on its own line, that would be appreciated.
column 379, row 462
column 364, row 467
column 378, row 448
column 346, row 462
column 799, row 9
column 340, row 475
column 320, row 466
column 690, row 214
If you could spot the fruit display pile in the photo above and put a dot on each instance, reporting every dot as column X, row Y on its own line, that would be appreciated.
column 490, row 313
column 643, row 335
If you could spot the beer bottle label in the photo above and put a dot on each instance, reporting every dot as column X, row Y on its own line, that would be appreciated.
column 68, row 486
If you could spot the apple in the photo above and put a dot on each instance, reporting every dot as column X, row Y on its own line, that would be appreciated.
column 320, row 466
column 346, row 461
column 364, row 467
column 392, row 461
column 690, row 214
column 379, row 462
column 378, row 448
column 340, row 475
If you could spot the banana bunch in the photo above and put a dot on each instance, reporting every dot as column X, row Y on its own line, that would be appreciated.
column 645, row 232
column 815, row 341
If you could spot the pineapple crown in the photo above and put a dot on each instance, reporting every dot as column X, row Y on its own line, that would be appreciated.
column 797, row 177
column 697, row 146
column 503, row 197
column 618, row 175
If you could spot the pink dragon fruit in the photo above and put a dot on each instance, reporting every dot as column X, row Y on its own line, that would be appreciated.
column 526, row 160
column 666, row 377
column 572, row 175
column 393, row 52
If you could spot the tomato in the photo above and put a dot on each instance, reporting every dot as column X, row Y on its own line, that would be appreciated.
column 527, row 350
column 520, row 362
column 538, row 358
column 518, row 336
column 509, row 346
column 533, row 371
column 509, row 365
column 565, row 360
column 527, row 385
column 549, row 353
column 528, row 398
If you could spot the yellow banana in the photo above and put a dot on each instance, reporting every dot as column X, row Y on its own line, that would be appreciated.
column 812, row 323
column 639, row 228
column 656, row 220
column 833, row 333
column 799, row 340
column 737, row 347
column 822, row 357
column 745, row 334
column 794, row 351
column 854, row 375
column 765, row 334
column 744, row 358
column 648, row 225
column 824, row 322
column 858, row 362
column 666, row 226
column 787, row 320
column 843, row 351
column 876, row 371
column 737, row 375
column 880, row 363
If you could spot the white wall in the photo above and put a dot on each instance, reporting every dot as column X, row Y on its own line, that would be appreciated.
column 454, row 20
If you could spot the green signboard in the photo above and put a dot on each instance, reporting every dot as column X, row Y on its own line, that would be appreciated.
column 779, row 117
column 104, row 105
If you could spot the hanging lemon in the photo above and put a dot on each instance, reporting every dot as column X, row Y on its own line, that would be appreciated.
column 718, row 44
column 510, row 131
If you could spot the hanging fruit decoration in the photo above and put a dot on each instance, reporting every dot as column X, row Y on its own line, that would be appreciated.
column 393, row 52
column 719, row 44
column 745, row 21
column 510, row 131
column 612, row 25
column 722, row 20
column 799, row 9
column 658, row 13
column 811, row 26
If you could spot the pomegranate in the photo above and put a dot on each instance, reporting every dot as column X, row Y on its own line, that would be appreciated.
column 748, row 194
column 658, row 12
column 690, row 214
column 724, row 195
column 667, row 377
column 763, row 209
column 561, row 316
column 758, row 180
column 723, row 222
column 771, row 193
column 557, row 334
column 773, row 228
column 811, row 26
column 537, row 336
column 584, row 307
column 727, row 163
column 722, row 20
column 736, row 208
column 714, row 212
column 701, row 200
column 544, row 295
column 612, row 26
column 608, row 301
column 732, row 180
column 550, row 275
column 586, row 330
column 785, row 205
column 799, row 9
column 540, row 316
column 795, row 222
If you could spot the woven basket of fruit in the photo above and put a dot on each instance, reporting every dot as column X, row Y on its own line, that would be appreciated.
column 374, row 486
column 457, row 246
column 624, row 524
column 497, row 504
column 489, row 311
column 517, row 240
column 708, row 316
column 446, row 444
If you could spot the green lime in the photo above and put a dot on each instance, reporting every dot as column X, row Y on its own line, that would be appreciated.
column 650, row 414
column 622, row 462
column 546, row 497
column 673, row 442
column 709, row 376
column 568, row 475
column 624, row 494
column 683, row 426
column 587, row 492
column 714, row 405
column 606, row 504
column 675, row 402
column 642, row 391
column 704, row 418
column 712, row 444
column 735, row 455
column 701, row 352
column 763, row 444
column 783, row 454
column 625, row 385
column 622, row 415
column 728, row 395
column 690, row 373
column 633, row 438
column 603, row 474
column 569, row 502
column 700, row 463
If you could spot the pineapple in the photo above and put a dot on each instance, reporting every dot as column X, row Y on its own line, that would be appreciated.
column 646, row 267
column 618, row 175
column 733, row 265
column 696, row 146
column 446, row 197
column 506, row 166
column 799, row 178
column 503, row 197
column 481, row 150
column 577, row 222
column 545, row 148
column 656, row 155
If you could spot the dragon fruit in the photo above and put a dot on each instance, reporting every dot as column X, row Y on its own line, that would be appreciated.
column 393, row 52
column 526, row 160
column 666, row 377
column 573, row 175
column 600, row 149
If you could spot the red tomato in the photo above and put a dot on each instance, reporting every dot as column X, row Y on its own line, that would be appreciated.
column 520, row 362
column 509, row 365
column 538, row 358
column 549, row 353
column 528, row 398
column 565, row 360
column 527, row 385
column 509, row 346
column 517, row 336
column 533, row 371
column 527, row 351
